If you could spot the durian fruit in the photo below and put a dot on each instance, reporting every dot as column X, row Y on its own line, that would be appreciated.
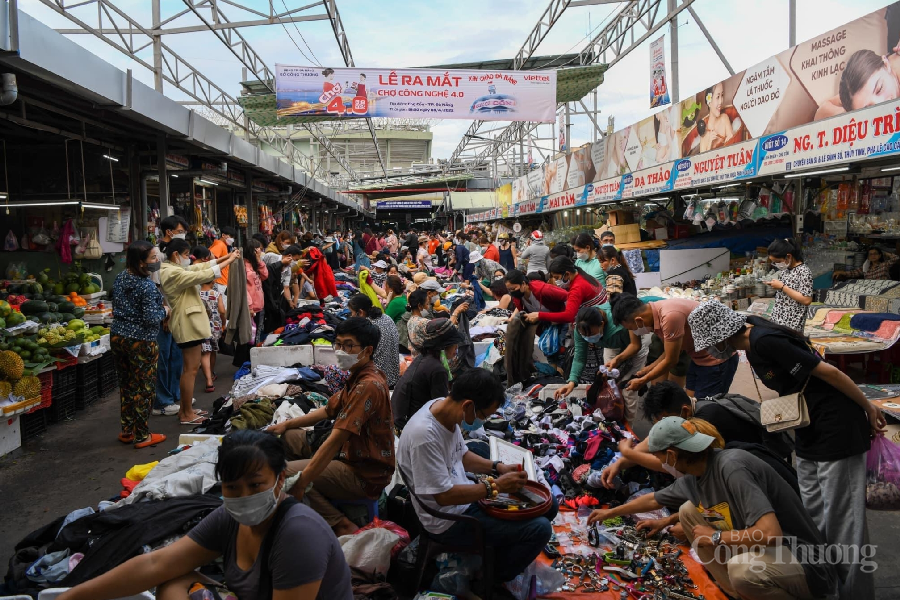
column 28, row 387
column 11, row 364
column 5, row 389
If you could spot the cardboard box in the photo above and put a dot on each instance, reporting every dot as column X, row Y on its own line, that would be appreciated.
column 621, row 217
column 627, row 234
column 660, row 233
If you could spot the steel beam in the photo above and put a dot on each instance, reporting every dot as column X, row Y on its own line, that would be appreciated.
column 709, row 38
column 549, row 18
column 200, row 28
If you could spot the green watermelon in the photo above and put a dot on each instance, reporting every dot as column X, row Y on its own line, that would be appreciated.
column 34, row 307
column 78, row 312
column 52, row 307
column 66, row 317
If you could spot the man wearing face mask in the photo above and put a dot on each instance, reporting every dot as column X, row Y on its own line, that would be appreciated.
column 171, row 362
column 220, row 248
column 357, row 459
column 433, row 460
column 731, row 498
column 708, row 374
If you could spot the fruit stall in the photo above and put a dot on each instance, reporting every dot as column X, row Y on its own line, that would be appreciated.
column 54, row 352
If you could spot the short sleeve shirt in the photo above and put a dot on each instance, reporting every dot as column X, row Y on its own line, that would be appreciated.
column 430, row 456
column 738, row 489
column 787, row 311
column 838, row 427
column 363, row 408
column 670, row 323
column 304, row 551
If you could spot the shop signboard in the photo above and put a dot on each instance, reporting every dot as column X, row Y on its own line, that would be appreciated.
column 236, row 177
column 648, row 181
column 416, row 93
column 504, row 198
column 177, row 162
column 403, row 205
column 725, row 164
column 866, row 133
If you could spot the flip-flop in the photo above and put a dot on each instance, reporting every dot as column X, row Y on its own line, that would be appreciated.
column 195, row 421
column 210, row 389
column 154, row 439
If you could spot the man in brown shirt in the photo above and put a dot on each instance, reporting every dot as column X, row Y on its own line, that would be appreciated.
column 357, row 459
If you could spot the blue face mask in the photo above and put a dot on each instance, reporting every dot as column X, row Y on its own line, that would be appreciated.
column 474, row 426
column 593, row 339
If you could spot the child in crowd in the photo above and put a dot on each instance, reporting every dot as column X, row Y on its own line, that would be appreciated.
column 215, row 309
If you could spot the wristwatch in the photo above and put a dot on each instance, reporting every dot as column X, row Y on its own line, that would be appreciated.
column 494, row 467
column 716, row 538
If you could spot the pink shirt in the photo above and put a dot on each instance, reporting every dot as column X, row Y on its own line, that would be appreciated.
column 255, row 298
column 670, row 324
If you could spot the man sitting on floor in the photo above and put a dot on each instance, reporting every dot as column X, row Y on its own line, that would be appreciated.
column 357, row 459
column 433, row 460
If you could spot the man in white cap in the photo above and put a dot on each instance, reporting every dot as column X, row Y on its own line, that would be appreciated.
column 536, row 254
column 748, row 526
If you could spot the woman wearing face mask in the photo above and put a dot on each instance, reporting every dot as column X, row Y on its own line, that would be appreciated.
column 282, row 240
column 138, row 312
column 188, row 321
column 613, row 263
column 411, row 326
column 428, row 377
column 831, row 450
column 507, row 252
column 587, row 259
column 747, row 508
column 529, row 296
column 599, row 341
column 793, row 285
column 255, row 532
column 387, row 356
column 583, row 290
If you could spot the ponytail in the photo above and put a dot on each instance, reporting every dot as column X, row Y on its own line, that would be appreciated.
column 365, row 304
column 784, row 246
column 609, row 252
column 564, row 264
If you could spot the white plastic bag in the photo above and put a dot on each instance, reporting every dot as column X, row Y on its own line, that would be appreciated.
column 546, row 581
column 369, row 550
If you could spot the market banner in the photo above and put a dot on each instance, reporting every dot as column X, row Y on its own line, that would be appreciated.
column 659, row 90
column 504, row 198
column 866, row 133
column 719, row 166
column 416, row 93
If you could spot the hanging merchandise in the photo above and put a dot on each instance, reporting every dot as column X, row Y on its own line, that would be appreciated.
column 240, row 215
column 63, row 244
column 11, row 244
column 92, row 249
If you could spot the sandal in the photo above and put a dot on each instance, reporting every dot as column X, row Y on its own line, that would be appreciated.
column 152, row 440
column 195, row 421
column 210, row 389
column 126, row 438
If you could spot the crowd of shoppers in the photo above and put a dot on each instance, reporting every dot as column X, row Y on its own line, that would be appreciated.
column 172, row 305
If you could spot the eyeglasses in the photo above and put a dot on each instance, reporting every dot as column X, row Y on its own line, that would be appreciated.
column 346, row 346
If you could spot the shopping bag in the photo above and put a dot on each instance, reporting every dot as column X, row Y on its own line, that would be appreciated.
column 402, row 543
column 551, row 339
column 883, row 475
column 604, row 395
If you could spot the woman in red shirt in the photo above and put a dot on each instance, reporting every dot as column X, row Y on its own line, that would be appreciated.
column 489, row 250
column 582, row 289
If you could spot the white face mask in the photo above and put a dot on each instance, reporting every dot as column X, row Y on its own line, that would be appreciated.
column 252, row 510
column 671, row 470
column 345, row 360
column 228, row 241
column 179, row 236
column 642, row 330
column 781, row 266
column 583, row 256
column 184, row 262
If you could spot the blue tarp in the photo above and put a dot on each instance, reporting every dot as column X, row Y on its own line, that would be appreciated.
column 738, row 241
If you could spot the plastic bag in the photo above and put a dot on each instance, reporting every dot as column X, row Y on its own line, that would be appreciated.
column 551, row 339
column 369, row 550
column 455, row 571
column 11, row 244
column 402, row 543
column 883, row 475
column 544, row 579
column 603, row 394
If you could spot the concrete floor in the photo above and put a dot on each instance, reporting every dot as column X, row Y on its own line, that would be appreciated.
column 79, row 462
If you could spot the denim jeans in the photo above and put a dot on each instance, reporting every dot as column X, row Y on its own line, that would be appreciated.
column 711, row 381
column 168, row 372
column 516, row 543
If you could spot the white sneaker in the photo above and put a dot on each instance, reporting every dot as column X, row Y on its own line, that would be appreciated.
column 168, row 411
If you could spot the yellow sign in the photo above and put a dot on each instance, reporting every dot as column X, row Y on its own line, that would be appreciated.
column 504, row 196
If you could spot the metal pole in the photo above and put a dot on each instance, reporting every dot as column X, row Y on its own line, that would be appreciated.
column 157, row 49
column 792, row 23
column 521, row 155
column 163, row 176
column 568, row 129
column 673, row 39
column 594, row 140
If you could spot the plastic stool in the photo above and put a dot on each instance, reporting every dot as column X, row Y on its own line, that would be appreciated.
column 370, row 505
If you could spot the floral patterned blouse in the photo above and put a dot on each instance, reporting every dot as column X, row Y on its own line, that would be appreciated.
column 137, row 307
column 787, row 311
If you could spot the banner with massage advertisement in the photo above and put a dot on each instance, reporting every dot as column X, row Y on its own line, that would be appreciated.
column 415, row 93
column 836, row 90
column 659, row 89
